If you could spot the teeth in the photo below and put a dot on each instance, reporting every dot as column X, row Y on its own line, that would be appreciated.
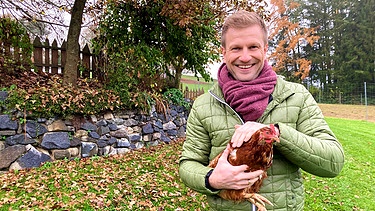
column 245, row 66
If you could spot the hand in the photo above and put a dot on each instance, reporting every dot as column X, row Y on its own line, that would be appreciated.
column 226, row 176
column 244, row 132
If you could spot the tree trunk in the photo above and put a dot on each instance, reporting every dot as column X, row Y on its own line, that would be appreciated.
column 72, row 45
column 178, row 66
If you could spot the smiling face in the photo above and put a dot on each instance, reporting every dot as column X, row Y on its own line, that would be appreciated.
column 244, row 52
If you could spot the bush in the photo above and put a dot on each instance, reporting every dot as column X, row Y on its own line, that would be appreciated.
column 54, row 99
column 17, row 47
column 175, row 96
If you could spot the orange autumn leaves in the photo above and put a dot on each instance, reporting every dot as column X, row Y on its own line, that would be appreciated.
column 292, row 38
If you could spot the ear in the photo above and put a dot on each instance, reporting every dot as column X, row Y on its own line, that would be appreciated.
column 265, row 48
column 223, row 52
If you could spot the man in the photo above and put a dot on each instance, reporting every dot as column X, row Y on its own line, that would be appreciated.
column 248, row 96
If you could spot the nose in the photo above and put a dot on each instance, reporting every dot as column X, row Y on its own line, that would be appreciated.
column 245, row 55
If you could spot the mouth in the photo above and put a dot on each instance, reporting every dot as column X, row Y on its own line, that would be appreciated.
column 245, row 66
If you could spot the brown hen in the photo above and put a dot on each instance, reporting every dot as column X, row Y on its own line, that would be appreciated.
column 257, row 154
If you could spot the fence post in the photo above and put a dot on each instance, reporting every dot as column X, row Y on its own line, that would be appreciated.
column 55, row 58
column 366, row 101
column 63, row 56
column 38, row 52
column 85, row 62
column 47, row 64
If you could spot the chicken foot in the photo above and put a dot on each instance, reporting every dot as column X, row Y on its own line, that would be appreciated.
column 258, row 200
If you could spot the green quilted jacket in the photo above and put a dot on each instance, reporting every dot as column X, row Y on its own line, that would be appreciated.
column 306, row 142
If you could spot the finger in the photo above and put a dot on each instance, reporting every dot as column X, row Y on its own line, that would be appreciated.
column 226, row 152
column 255, row 174
column 252, row 181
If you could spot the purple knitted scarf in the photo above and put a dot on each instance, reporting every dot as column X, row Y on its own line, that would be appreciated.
column 248, row 98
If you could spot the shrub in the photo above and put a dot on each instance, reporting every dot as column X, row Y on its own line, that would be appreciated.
column 175, row 96
column 54, row 99
column 17, row 47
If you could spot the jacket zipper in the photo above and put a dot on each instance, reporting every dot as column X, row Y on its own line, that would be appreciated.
column 225, row 103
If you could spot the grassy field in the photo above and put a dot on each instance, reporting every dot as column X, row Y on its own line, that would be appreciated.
column 148, row 180
column 192, row 83
column 353, row 188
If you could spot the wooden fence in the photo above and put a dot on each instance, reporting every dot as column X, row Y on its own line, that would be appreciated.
column 51, row 59
column 192, row 94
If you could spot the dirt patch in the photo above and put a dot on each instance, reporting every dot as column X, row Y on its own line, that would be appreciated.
column 190, row 81
column 359, row 112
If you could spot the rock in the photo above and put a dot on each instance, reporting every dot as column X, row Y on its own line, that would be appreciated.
column 60, row 154
column 135, row 137
column 103, row 130
column 3, row 95
column 74, row 152
column 7, row 133
column 19, row 139
column 152, row 143
column 137, row 129
column 112, row 127
column 75, row 142
column 158, row 124
column 94, row 135
column 89, row 126
column 169, row 126
column 172, row 132
column 56, row 140
column 139, row 145
column 106, row 150
column 147, row 129
column 122, row 133
column 165, row 138
column 58, row 125
column 123, row 143
column 108, row 116
column 80, row 133
column 101, row 123
column 93, row 118
column 181, row 132
column 112, row 141
column 11, row 154
column 173, row 113
column 7, row 124
column 118, row 121
column 32, row 158
column 89, row 149
column 156, row 136
column 2, row 145
column 122, row 151
column 102, row 143
column 35, row 129
column 130, row 122
column 147, row 137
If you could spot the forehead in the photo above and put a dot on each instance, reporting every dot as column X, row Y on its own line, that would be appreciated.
column 242, row 35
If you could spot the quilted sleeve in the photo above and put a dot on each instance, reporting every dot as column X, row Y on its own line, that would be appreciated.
column 311, row 144
column 195, row 154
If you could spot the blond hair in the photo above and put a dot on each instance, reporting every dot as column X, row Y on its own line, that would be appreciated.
column 243, row 19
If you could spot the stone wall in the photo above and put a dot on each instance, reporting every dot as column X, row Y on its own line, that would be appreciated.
column 27, row 143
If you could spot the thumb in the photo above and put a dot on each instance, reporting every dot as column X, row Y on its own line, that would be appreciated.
column 226, row 152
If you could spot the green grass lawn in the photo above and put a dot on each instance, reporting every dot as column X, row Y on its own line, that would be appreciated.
column 148, row 179
column 353, row 189
column 201, row 84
